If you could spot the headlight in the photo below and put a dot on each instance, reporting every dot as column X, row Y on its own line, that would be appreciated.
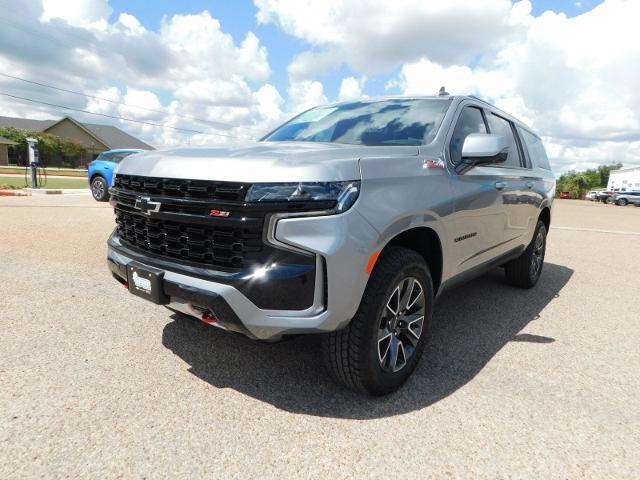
column 343, row 193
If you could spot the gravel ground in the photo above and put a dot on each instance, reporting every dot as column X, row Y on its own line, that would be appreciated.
column 97, row 383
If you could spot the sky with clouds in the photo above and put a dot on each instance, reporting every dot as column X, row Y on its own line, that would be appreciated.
column 234, row 70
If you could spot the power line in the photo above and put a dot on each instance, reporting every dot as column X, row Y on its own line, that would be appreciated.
column 214, row 124
column 112, row 116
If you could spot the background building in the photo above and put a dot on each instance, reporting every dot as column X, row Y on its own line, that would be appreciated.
column 93, row 137
column 5, row 143
column 625, row 179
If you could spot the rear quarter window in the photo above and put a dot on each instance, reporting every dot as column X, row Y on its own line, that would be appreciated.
column 535, row 148
column 504, row 127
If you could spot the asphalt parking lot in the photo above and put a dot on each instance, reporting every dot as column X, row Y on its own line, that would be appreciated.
column 97, row 383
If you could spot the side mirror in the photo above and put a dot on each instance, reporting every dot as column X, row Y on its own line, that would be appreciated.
column 483, row 149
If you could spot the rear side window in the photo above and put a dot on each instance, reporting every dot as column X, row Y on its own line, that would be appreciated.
column 470, row 121
column 503, row 127
column 535, row 149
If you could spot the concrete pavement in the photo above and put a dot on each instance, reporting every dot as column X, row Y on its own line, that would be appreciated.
column 97, row 383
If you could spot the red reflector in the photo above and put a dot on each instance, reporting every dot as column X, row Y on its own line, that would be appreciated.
column 208, row 318
column 372, row 262
column 125, row 285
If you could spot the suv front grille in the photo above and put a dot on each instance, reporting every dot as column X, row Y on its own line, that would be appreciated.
column 206, row 229
column 183, row 227
column 225, row 247
column 179, row 188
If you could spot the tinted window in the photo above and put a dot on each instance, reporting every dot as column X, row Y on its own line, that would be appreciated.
column 503, row 127
column 115, row 157
column 469, row 121
column 535, row 149
column 389, row 122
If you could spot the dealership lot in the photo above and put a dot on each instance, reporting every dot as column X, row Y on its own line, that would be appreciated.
column 98, row 383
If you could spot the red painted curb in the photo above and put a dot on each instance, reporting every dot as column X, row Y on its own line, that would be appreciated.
column 14, row 193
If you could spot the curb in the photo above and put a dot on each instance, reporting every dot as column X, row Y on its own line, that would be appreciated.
column 57, row 191
column 14, row 193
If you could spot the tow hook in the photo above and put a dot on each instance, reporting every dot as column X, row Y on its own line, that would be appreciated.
column 209, row 318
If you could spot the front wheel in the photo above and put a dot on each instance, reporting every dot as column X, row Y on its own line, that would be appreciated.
column 525, row 270
column 381, row 346
column 99, row 189
column 622, row 202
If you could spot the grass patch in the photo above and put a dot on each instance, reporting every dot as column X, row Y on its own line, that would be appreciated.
column 50, row 171
column 12, row 182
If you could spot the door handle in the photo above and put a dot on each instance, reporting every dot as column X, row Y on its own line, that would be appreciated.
column 500, row 185
column 529, row 185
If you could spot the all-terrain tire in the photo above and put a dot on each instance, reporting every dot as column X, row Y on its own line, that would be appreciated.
column 351, row 354
column 524, row 271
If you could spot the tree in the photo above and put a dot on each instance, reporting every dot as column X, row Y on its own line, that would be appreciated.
column 578, row 183
column 52, row 149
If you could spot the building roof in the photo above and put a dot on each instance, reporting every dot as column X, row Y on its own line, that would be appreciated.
column 26, row 124
column 624, row 170
column 6, row 141
column 116, row 138
column 109, row 135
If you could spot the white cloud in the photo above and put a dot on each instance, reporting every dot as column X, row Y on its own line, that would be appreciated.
column 372, row 36
column 191, row 72
column 573, row 79
column 269, row 103
column 306, row 94
column 103, row 101
column 76, row 12
column 200, row 47
column 141, row 105
column 577, row 87
column 351, row 88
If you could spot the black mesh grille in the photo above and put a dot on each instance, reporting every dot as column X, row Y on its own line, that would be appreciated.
column 183, row 228
column 186, row 226
column 179, row 188
column 226, row 247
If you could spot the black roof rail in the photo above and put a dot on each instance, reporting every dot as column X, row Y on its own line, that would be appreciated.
column 475, row 97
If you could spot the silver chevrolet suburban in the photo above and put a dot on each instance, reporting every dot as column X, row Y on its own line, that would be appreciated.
column 348, row 221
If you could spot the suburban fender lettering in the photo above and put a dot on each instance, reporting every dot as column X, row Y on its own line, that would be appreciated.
column 465, row 237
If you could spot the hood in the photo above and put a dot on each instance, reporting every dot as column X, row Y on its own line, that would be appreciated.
column 259, row 162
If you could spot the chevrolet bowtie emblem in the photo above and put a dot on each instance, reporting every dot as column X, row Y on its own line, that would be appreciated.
column 146, row 206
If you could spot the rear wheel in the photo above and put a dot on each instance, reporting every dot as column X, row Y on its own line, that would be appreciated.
column 99, row 189
column 525, row 270
column 383, row 343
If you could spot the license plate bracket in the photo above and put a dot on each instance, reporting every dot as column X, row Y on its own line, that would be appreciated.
column 146, row 282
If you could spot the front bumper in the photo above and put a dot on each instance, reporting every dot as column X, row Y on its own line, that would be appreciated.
column 341, row 245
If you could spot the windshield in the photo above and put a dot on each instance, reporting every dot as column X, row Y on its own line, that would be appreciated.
column 387, row 122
